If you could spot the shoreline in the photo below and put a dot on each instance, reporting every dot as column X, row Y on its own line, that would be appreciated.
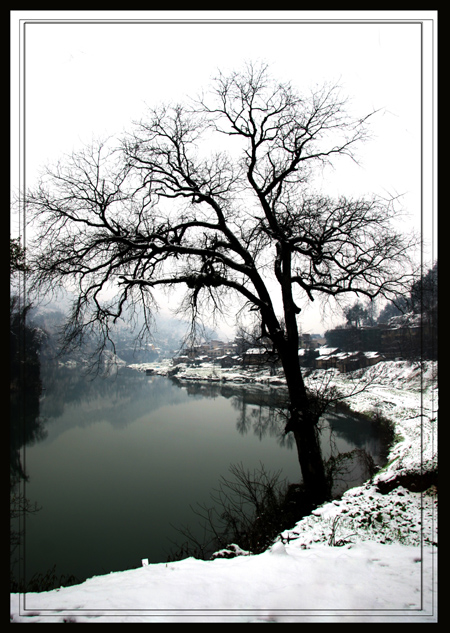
column 400, row 391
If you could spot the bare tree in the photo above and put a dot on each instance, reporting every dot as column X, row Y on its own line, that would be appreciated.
column 162, row 210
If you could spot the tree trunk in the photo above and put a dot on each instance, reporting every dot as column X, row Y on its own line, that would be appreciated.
column 311, row 462
column 302, row 421
column 303, row 424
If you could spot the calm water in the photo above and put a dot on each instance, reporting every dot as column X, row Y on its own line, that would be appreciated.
column 117, row 464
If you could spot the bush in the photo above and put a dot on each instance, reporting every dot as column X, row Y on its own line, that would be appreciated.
column 42, row 582
column 249, row 510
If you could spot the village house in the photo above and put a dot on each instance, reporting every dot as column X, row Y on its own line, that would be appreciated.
column 183, row 358
column 346, row 361
column 228, row 361
column 224, row 354
column 254, row 356
column 402, row 341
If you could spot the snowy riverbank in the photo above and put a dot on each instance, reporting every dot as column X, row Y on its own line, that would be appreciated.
column 369, row 557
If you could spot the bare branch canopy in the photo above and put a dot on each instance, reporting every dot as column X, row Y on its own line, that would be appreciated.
column 213, row 198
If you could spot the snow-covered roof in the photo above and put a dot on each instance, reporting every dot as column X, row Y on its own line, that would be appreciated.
column 326, row 351
column 255, row 350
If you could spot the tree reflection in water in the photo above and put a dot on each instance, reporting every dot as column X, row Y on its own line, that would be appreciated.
column 265, row 413
column 25, row 424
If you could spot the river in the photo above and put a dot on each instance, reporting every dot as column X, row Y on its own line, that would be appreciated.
column 117, row 464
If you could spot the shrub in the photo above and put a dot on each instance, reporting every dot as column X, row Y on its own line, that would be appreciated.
column 250, row 509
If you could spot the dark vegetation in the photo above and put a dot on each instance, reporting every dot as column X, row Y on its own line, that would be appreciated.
column 26, row 426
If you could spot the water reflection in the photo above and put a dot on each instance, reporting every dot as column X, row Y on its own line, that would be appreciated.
column 120, row 400
column 26, row 428
column 130, row 395
column 264, row 412
column 73, row 401
column 25, row 423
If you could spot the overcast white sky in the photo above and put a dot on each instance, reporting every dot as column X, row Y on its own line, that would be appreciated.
column 85, row 74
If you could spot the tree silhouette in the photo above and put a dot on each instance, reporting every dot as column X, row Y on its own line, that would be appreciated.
column 356, row 315
column 164, row 208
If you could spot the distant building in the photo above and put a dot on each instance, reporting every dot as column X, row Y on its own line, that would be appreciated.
column 227, row 360
column 198, row 360
column 208, row 351
column 216, row 344
column 255, row 356
column 404, row 336
column 346, row 361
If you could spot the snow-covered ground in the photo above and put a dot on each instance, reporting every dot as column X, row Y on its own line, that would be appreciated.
column 369, row 557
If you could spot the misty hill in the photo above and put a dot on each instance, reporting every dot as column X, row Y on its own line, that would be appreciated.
column 166, row 337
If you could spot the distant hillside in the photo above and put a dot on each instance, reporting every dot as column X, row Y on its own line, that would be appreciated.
column 166, row 338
